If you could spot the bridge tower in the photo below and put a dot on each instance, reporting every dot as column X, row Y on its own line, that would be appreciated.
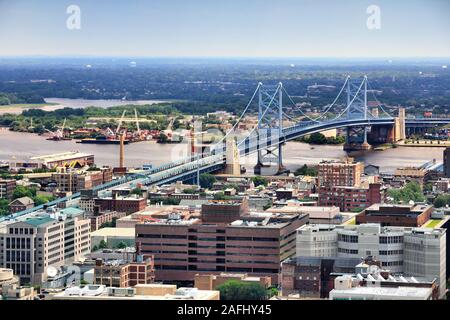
column 356, row 138
column 232, row 166
column 270, row 128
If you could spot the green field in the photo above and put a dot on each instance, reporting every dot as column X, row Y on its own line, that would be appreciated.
column 432, row 223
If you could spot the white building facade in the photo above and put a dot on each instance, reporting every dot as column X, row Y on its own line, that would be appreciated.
column 410, row 251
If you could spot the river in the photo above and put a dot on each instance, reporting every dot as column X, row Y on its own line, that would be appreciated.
column 20, row 145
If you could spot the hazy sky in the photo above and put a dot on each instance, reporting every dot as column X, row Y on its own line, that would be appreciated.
column 226, row 28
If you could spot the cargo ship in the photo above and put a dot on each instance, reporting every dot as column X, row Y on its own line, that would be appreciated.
column 102, row 140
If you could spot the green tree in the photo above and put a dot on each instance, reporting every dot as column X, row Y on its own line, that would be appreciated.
column 306, row 171
column 207, row 180
column 260, row 181
column 442, row 200
column 122, row 245
column 317, row 138
column 239, row 290
column 410, row 192
column 102, row 244
column 22, row 191
column 4, row 210
column 137, row 191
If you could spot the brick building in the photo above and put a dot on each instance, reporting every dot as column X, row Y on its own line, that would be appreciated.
column 7, row 187
column 74, row 181
column 396, row 215
column 187, row 245
column 121, row 204
column 346, row 173
column 121, row 274
column 350, row 198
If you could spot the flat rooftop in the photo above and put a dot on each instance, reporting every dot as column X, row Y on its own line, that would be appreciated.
column 411, row 293
column 61, row 156
column 114, row 232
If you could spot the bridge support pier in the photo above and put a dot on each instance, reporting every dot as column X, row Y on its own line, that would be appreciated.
column 356, row 139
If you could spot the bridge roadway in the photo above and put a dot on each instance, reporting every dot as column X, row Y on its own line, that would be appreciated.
column 188, row 168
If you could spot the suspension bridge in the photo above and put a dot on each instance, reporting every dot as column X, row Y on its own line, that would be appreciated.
column 274, row 127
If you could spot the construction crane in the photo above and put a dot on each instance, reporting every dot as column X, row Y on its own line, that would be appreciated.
column 137, row 122
column 58, row 134
column 120, row 122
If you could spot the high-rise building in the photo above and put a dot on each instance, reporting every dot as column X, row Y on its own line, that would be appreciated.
column 190, row 244
column 31, row 246
column 447, row 162
column 346, row 173
column 410, row 251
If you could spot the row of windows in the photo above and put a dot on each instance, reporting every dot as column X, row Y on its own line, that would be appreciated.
column 347, row 251
column 390, row 252
column 21, row 231
column 393, row 239
column 392, row 263
column 347, row 238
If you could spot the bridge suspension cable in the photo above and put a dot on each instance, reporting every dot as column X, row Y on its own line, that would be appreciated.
column 351, row 102
column 379, row 103
column 240, row 118
column 263, row 115
column 327, row 108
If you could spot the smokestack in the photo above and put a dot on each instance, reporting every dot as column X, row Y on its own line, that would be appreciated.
column 122, row 151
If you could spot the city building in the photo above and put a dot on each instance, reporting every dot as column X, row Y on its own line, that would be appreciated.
column 7, row 278
column 113, row 237
column 21, row 204
column 220, row 241
column 346, row 173
column 100, row 218
column 7, row 187
column 123, row 274
column 418, row 252
column 348, row 199
column 32, row 245
column 16, row 292
column 317, row 215
column 212, row 281
column 130, row 204
column 447, row 162
column 70, row 180
column 345, row 291
column 66, row 159
column 139, row 292
column 411, row 215
column 311, row 277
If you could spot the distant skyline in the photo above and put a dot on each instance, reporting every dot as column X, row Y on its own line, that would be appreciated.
column 226, row 29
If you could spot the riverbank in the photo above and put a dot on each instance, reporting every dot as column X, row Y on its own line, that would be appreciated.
column 425, row 144
column 18, row 108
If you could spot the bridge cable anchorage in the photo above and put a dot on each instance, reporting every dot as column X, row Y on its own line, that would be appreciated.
column 323, row 114
column 263, row 115
column 376, row 100
column 240, row 118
